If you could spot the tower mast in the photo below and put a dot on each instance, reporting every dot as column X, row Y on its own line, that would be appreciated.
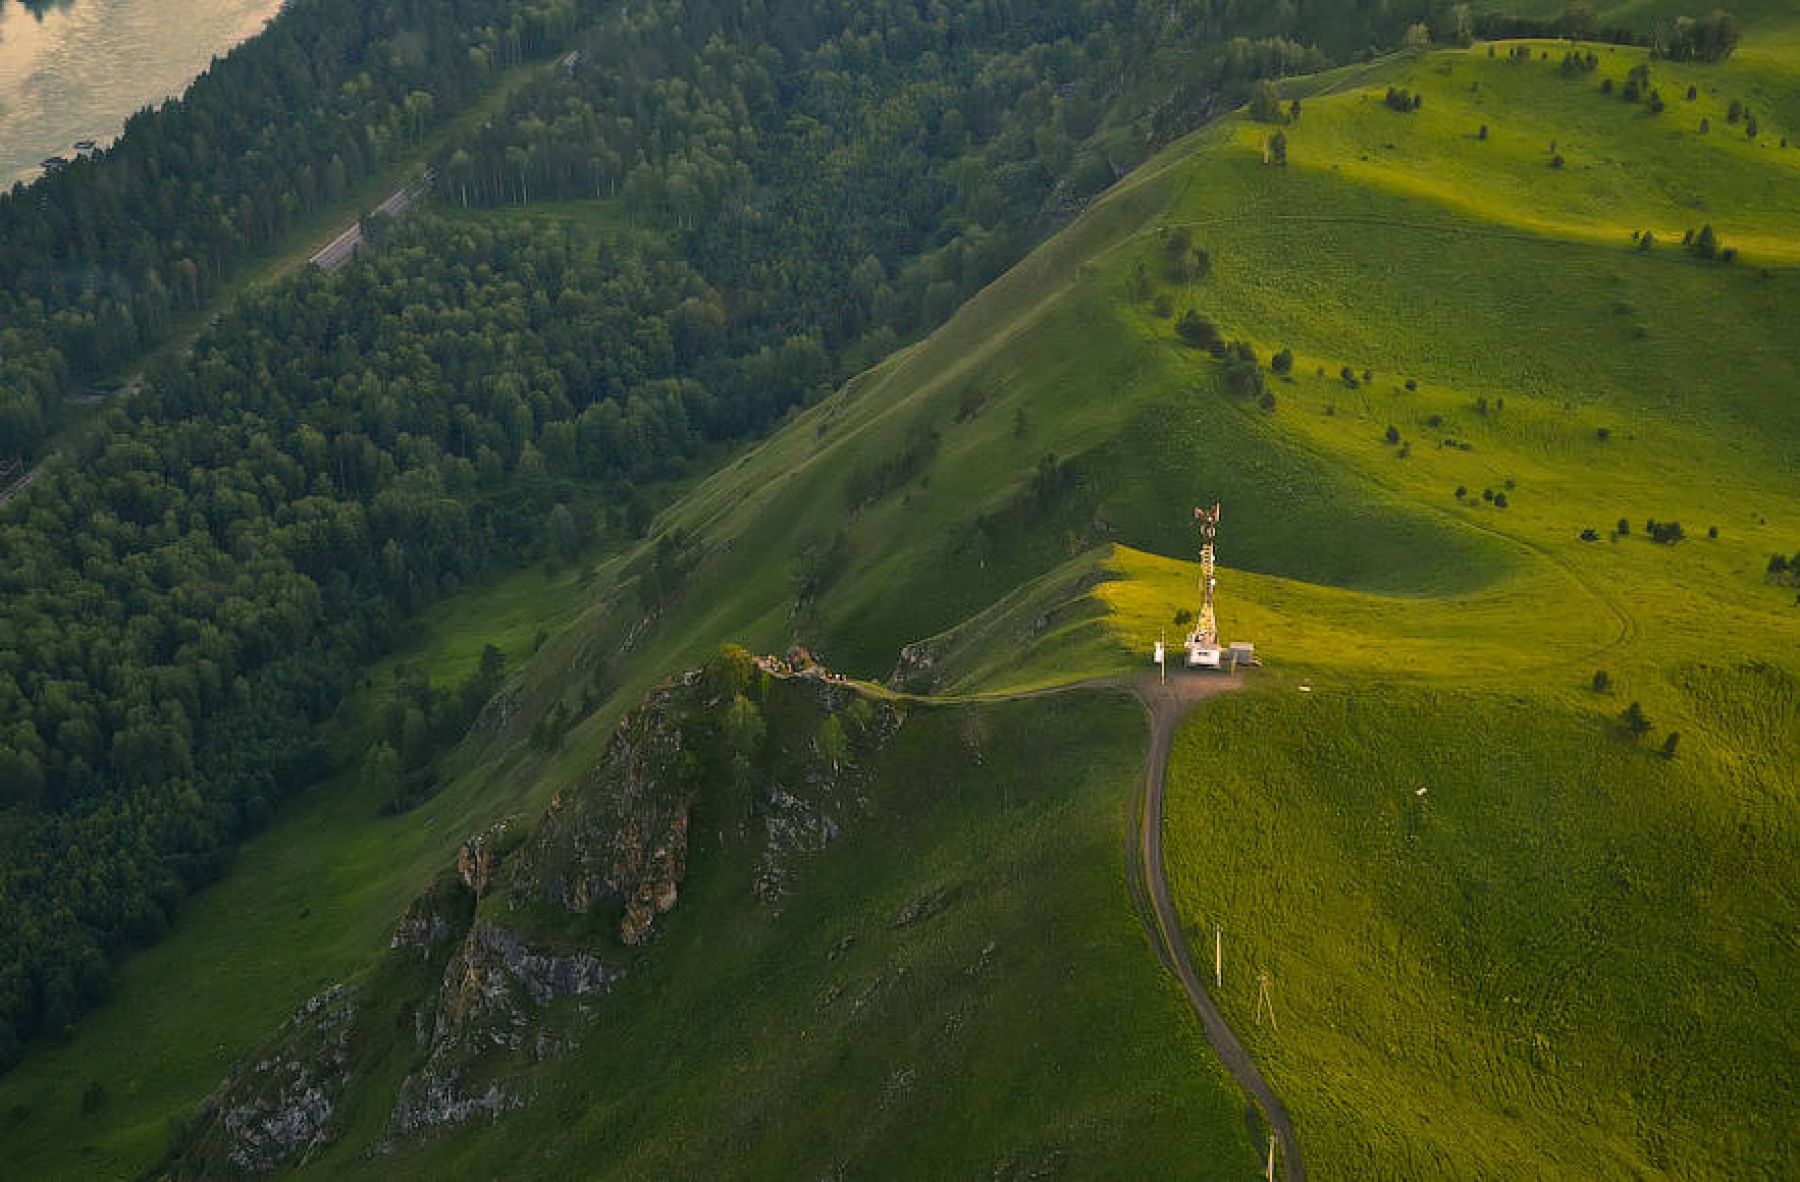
column 1206, row 627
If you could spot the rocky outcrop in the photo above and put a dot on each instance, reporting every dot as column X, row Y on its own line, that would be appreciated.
column 272, row 1112
column 619, row 838
column 492, row 990
column 478, row 857
column 773, row 754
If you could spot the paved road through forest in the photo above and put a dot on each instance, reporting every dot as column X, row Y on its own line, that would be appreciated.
column 342, row 249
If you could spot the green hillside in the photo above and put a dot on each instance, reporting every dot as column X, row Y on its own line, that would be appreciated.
column 1568, row 956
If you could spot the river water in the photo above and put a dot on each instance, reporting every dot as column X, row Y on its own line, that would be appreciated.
column 75, row 69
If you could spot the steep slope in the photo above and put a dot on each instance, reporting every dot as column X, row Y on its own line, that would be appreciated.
column 781, row 925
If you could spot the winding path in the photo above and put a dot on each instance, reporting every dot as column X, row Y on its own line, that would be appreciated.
column 1166, row 704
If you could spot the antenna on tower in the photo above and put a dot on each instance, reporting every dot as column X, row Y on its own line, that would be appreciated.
column 1203, row 641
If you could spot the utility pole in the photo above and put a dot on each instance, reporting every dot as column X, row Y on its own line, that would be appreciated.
column 1271, row 1173
column 1263, row 1001
column 1218, row 957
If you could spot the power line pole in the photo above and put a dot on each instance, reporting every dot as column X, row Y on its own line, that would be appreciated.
column 1263, row 1001
column 1218, row 957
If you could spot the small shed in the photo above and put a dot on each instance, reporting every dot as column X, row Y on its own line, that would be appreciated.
column 1242, row 652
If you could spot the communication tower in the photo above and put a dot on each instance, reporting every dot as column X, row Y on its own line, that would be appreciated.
column 1203, row 642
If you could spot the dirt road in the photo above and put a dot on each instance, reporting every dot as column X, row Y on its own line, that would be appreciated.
column 1150, row 884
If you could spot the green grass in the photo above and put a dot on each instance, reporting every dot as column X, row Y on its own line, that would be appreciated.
column 1566, row 952
column 1624, row 168
column 1396, row 926
column 1023, row 1026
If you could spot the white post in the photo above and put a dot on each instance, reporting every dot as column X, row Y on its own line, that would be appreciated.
column 1218, row 957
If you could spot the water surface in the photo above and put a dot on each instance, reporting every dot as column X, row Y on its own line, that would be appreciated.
column 75, row 69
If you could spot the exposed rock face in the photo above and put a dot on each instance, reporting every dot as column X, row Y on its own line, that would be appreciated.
column 773, row 752
column 492, row 989
column 272, row 1112
column 478, row 857
column 916, row 671
column 619, row 838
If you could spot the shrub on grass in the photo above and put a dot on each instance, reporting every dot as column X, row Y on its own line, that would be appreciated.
column 1636, row 724
column 1393, row 434
column 1197, row 330
column 1706, row 243
column 1590, row 535
column 1602, row 681
column 1623, row 529
column 1646, row 241
column 1282, row 362
column 1243, row 376
column 1669, row 744
column 1278, row 148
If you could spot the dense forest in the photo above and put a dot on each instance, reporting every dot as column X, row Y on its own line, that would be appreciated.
column 188, row 594
column 97, row 259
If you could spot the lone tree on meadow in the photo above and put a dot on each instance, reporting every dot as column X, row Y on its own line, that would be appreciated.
column 1634, row 721
column 1278, row 148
